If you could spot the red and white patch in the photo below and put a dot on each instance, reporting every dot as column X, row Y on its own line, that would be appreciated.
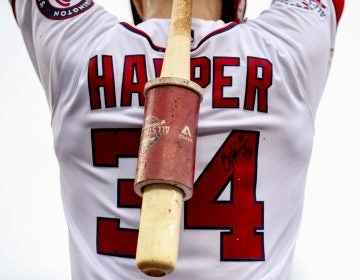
column 63, row 9
column 311, row 5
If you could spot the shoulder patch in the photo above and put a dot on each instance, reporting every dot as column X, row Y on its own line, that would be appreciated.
column 310, row 5
column 63, row 9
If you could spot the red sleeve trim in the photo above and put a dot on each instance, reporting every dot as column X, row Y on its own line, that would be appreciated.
column 339, row 7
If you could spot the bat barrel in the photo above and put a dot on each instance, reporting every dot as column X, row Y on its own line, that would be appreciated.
column 165, row 171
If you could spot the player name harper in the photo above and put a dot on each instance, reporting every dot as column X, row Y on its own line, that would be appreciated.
column 220, row 72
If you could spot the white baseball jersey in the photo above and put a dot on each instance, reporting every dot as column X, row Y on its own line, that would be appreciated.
column 262, row 83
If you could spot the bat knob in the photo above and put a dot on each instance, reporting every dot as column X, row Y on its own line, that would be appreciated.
column 155, row 269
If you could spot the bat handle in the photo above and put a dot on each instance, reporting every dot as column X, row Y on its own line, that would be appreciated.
column 159, row 230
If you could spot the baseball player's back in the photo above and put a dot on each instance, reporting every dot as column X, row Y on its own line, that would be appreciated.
column 261, row 90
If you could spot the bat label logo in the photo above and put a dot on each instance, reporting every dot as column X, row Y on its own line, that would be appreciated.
column 63, row 9
column 186, row 134
column 153, row 129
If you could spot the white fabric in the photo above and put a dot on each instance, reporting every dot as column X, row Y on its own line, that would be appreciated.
column 298, row 45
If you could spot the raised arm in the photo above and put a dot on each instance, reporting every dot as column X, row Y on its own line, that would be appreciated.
column 58, row 35
column 304, row 31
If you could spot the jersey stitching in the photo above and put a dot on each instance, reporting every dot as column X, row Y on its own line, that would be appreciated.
column 162, row 49
column 303, row 92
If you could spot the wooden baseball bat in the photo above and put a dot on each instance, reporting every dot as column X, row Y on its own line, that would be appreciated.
column 161, row 211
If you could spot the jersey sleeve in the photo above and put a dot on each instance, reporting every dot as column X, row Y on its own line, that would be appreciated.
column 305, row 31
column 58, row 35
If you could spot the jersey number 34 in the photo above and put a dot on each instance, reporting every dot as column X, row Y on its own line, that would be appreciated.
column 239, row 219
